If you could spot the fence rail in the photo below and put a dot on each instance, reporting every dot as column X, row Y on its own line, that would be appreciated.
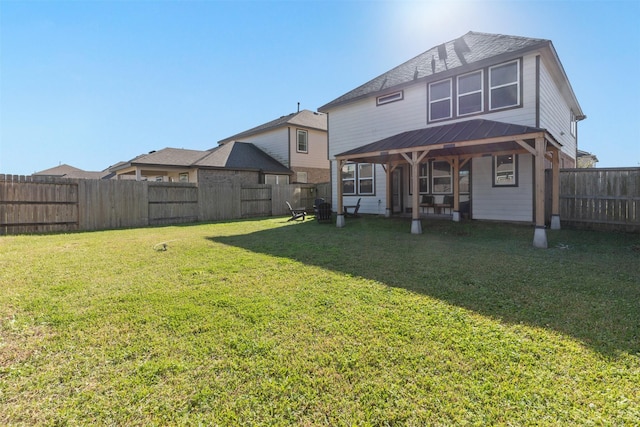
column 31, row 204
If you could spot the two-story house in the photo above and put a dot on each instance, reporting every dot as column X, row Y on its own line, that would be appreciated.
column 469, row 125
column 298, row 141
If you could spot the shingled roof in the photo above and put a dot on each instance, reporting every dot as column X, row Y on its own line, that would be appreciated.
column 470, row 51
column 242, row 156
column 67, row 171
column 305, row 118
column 168, row 157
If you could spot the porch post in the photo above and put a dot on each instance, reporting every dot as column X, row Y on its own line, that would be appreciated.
column 389, row 201
column 540, row 234
column 416, row 225
column 340, row 209
column 455, row 175
column 555, row 191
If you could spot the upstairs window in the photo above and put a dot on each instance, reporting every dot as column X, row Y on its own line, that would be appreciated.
column 303, row 146
column 505, row 171
column 504, row 85
column 574, row 124
column 440, row 100
column 470, row 99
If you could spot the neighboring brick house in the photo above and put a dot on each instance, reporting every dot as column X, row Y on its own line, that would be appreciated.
column 475, row 120
column 234, row 162
column 298, row 141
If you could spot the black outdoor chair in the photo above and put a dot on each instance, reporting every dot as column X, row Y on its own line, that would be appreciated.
column 427, row 202
column 296, row 213
column 355, row 208
column 317, row 203
column 323, row 212
column 447, row 203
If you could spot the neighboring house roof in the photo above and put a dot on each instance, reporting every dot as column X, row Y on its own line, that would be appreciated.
column 178, row 157
column 471, row 51
column 582, row 153
column 469, row 130
column 242, row 156
column 67, row 171
column 237, row 156
column 305, row 118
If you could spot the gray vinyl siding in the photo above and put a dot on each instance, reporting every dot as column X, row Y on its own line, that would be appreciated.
column 555, row 113
column 362, row 122
column 274, row 142
column 502, row 203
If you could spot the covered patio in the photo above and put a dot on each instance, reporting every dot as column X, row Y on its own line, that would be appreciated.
column 457, row 144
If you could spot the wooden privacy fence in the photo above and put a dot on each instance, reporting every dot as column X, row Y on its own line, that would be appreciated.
column 604, row 199
column 36, row 205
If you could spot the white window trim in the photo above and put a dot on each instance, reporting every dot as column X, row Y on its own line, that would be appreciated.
column 515, row 171
column 354, row 179
column 371, row 178
column 459, row 95
column 424, row 166
column 357, row 180
column 573, row 124
column 517, row 83
column 449, row 98
column 434, row 176
column 389, row 98
column 306, row 140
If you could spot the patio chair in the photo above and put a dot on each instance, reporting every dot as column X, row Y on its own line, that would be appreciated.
column 447, row 203
column 427, row 202
column 317, row 203
column 355, row 208
column 323, row 212
column 296, row 213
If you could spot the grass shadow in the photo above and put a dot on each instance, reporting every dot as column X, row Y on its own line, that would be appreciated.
column 586, row 285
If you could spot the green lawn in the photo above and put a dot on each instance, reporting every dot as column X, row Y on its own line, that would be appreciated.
column 264, row 322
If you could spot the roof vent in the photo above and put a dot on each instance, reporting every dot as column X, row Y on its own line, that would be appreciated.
column 442, row 52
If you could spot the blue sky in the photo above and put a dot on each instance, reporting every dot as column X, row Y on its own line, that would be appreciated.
column 91, row 83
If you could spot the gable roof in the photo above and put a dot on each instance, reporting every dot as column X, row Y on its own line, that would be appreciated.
column 470, row 51
column 67, row 171
column 168, row 157
column 305, row 118
column 445, row 137
column 242, row 156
